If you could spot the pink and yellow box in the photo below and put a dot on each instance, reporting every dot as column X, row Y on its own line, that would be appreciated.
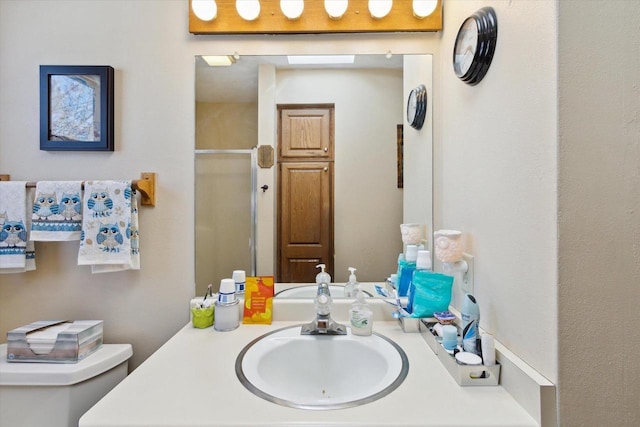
column 258, row 300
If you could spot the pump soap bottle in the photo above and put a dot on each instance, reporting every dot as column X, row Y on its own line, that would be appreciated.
column 351, row 288
column 361, row 316
column 323, row 276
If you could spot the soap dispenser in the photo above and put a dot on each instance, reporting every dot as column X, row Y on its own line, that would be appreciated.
column 361, row 316
column 351, row 288
column 323, row 276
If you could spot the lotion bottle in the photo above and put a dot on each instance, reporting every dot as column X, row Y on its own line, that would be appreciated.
column 323, row 276
column 361, row 316
column 351, row 288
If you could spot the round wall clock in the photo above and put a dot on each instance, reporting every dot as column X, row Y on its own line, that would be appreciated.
column 474, row 46
column 417, row 107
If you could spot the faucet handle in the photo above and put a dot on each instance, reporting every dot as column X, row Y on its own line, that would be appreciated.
column 323, row 303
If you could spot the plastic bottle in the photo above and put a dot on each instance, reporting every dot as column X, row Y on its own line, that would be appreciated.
column 406, row 267
column 323, row 276
column 470, row 314
column 351, row 288
column 401, row 263
column 361, row 316
column 423, row 268
column 226, row 307
column 240, row 279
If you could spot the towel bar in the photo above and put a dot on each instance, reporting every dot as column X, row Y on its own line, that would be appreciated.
column 146, row 185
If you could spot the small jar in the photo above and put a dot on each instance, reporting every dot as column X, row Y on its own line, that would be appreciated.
column 227, row 307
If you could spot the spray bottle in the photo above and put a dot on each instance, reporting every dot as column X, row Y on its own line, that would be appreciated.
column 470, row 314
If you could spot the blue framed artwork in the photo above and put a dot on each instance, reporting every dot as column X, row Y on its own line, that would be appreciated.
column 76, row 108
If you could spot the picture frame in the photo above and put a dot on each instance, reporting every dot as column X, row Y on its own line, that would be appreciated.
column 400, row 154
column 76, row 108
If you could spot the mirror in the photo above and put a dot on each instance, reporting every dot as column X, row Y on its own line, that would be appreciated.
column 236, row 108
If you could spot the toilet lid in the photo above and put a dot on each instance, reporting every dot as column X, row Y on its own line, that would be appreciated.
column 60, row 374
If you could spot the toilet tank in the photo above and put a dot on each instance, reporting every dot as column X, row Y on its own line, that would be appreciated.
column 57, row 395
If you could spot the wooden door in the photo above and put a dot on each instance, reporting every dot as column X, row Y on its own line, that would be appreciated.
column 305, row 192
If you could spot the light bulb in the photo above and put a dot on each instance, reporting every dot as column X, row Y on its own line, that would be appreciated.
column 380, row 8
column 424, row 8
column 336, row 8
column 292, row 9
column 205, row 10
column 249, row 10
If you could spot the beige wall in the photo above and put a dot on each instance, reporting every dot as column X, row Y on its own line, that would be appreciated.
column 599, row 213
column 226, row 126
column 496, row 174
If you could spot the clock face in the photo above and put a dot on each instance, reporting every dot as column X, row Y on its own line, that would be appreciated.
column 474, row 46
column 412, row 106
column 465, row 47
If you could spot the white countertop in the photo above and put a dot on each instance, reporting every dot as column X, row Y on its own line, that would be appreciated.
column 191, row 381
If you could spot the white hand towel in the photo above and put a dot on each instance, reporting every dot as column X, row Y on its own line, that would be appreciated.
column 106, row 215
column 133, row 235
column 13, row 217
column 57, row 211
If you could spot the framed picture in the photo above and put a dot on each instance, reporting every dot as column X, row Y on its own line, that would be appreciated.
column 76, row 108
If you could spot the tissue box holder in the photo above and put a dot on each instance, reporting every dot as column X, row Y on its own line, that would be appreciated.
column 72, row 345
column 465, row 375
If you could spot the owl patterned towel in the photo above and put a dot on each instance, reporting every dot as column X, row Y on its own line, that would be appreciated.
column 57, row 211
column 13, row 217
column 106, row 216
column 133, row 235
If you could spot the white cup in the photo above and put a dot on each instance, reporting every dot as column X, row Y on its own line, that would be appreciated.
column 448, row 244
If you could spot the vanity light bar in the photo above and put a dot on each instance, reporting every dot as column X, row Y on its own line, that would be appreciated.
column 313, row 16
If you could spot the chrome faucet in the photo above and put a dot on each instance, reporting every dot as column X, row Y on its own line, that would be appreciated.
column 323, row 324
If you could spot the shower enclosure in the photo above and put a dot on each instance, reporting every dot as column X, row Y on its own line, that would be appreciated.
column 225, row 208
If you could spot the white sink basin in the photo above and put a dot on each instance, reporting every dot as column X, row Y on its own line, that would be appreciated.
column 310, row 291
column 321, row 372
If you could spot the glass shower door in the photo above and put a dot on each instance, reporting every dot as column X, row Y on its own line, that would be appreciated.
column 225, row 206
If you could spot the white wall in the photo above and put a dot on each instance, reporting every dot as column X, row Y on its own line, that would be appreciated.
column 497, row 170
column 146, row 43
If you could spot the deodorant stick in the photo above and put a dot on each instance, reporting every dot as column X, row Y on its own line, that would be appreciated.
column 470, row 314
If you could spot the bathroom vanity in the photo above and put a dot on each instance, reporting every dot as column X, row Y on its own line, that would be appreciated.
column 191, row 381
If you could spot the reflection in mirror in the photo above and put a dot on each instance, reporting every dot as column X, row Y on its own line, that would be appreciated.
column 236, row 109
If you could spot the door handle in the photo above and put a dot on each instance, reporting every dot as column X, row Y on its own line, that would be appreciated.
column 326, row 169
column 326, row 149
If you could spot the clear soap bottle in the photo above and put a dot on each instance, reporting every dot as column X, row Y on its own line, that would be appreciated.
column 351, row 288
column 361, row 316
